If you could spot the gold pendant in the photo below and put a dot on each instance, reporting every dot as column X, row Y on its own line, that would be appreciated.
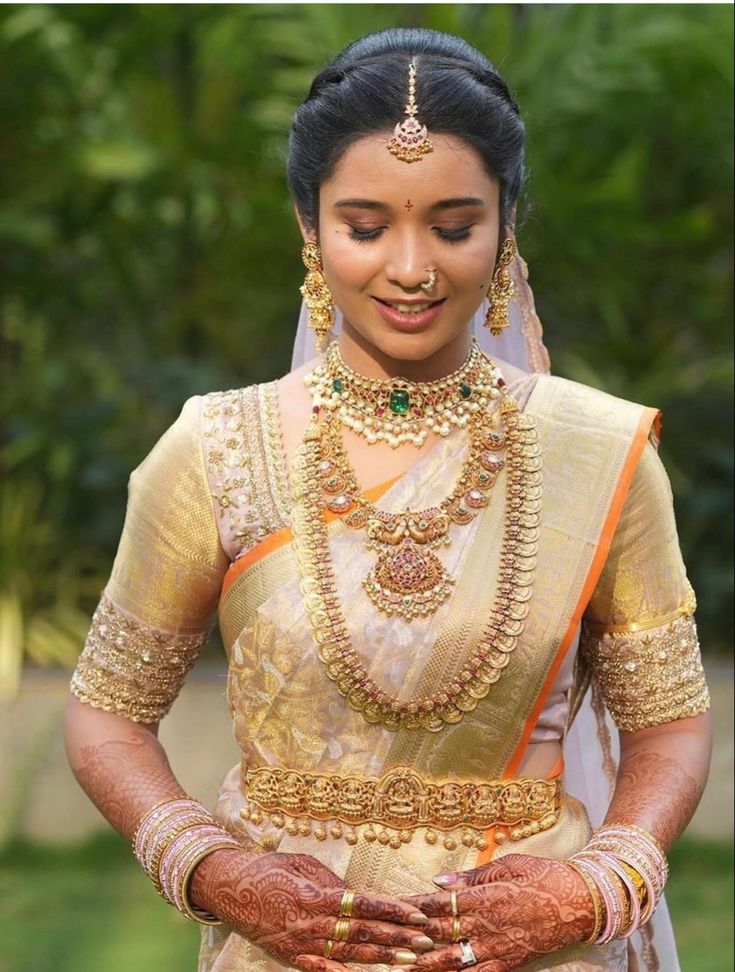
column 408, row 581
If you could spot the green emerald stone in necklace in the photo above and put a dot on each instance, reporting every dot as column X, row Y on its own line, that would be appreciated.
column 465, row 390
column 399, row 401
column 338, row 385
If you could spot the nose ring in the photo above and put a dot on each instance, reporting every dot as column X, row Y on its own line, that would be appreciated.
column 429, row 284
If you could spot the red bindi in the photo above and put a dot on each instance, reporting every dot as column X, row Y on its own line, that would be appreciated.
column 409, row 205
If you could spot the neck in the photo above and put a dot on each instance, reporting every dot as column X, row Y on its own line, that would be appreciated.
column 371, row 362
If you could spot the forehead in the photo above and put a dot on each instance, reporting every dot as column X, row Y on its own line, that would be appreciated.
column 367, row 169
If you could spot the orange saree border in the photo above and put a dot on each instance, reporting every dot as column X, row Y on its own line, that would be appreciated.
column 281, row 537
column 650, row 418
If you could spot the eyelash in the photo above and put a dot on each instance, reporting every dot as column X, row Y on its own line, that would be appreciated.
column 448, row 236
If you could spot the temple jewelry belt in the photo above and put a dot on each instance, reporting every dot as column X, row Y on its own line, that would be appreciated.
column 398, row 803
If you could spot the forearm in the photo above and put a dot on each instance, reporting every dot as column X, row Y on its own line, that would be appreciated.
column 661, row 776
column 120, row 764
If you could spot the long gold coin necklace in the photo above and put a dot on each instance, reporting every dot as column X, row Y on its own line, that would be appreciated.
column 490, row 654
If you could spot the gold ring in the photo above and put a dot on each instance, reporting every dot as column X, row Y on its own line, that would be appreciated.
column 341, row 930
column 328, row 948
column 346, row 904
column 453, row 903
column 456, row 931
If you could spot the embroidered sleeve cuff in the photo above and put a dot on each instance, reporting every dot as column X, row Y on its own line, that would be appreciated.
column 649, row 677
column 130, row 669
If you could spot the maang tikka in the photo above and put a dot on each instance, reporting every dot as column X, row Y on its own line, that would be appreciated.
column 410, row 138
column 317, row 295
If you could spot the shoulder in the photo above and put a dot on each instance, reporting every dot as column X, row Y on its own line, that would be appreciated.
column 568, row 403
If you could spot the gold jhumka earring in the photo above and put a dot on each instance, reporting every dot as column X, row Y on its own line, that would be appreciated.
column 410, row 140
column 317, row 295
column 501, row 289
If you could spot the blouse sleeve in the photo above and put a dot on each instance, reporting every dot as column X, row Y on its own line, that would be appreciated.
column 157, row 608
column 638, row 632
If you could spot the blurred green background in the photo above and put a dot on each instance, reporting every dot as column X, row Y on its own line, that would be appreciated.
column 148, row 252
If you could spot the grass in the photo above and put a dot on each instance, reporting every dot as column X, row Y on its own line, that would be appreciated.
column 89, row 908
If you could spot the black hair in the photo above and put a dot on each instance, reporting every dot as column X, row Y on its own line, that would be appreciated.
column 364, row 90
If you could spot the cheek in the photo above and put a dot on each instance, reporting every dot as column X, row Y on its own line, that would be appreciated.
column 348, row 264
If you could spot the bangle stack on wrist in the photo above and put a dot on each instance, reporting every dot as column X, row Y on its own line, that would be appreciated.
column 171, row 839
column 625, row 870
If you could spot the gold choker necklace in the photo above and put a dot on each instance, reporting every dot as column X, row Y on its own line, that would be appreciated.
column 396, row 410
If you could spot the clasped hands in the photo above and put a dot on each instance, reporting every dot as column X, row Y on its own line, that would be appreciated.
column 510, row 912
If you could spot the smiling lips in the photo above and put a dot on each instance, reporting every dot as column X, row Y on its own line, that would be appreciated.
column 409, row 315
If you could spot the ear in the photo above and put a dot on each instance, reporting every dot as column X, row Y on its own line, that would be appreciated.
column 308, row 234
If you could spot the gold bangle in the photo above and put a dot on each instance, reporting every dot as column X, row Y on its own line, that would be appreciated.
column 638, row 883
column 187, row 909
column 596, row 901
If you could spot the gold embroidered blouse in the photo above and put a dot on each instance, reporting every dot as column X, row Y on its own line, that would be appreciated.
column 638, row 633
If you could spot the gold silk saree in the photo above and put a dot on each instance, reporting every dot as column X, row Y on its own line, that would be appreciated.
column 594, row 564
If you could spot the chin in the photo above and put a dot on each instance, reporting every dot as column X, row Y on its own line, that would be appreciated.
column 413, row 347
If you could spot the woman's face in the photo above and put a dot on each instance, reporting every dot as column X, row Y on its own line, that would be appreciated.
column 382, row 222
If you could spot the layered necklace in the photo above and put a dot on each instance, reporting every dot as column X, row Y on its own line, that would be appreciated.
column 409, row 579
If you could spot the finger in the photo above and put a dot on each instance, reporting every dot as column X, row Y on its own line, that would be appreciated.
column 447, row 959
column 439, row 905
column 441, row 929
column 496, row 965
column 381, row 909
column 366, row 932
column 508, row 868
column 317, row 963
column 372, row 954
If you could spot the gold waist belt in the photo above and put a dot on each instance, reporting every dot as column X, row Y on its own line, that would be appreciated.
column 398, row 803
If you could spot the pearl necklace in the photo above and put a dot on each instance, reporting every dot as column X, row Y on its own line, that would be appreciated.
column 396, row 410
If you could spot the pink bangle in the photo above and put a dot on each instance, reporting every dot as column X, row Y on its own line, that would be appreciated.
column 163, row 837
column 191, row 836
column 609, row 894
column 640, row 840
column 634, row 919
column 642, row 864
column 157, row 814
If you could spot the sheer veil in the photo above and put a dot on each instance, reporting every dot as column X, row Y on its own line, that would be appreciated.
column 591, row 743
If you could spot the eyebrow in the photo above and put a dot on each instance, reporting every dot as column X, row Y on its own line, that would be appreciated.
column 441, row 204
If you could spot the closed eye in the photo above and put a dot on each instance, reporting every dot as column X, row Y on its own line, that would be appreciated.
column 449, row 236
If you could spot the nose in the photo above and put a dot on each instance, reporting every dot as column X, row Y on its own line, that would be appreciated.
column 407, row 263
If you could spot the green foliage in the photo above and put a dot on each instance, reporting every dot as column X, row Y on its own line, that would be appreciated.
column 149, row 251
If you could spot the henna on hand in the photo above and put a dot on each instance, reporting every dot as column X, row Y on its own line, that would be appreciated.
column 511, row 911
column 288, row 905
